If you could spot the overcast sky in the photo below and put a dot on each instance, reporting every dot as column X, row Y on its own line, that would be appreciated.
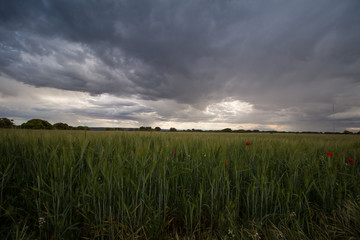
column 204, row 64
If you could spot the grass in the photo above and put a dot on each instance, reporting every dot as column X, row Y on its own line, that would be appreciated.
column 130, row 185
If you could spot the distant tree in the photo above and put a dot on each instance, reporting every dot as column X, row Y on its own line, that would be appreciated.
column 82, row 128
column 173, row 129
column 196, row 130
column 6, row 123
column 37, row 124
column 240, row 130
column 347, row 132
column 142, row 128
column 62, row 126
column 157, row 129
column 226, row 130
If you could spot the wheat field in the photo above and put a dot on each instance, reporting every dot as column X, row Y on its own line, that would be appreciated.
column 178, row 185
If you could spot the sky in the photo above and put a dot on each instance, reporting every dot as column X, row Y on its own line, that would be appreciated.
column 204, row 64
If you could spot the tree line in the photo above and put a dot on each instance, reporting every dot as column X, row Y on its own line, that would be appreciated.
column 39, row 124
column 43, row 124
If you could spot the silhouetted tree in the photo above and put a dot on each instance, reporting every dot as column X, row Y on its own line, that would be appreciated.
column 227, row 130
column 62, row 126
column 173, row 129
column 82, row 128
column 36, row 124
column 157, row 129
column 6, row 123
column 142, row 128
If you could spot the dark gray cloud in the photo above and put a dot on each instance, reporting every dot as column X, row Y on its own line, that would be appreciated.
column 292, row 58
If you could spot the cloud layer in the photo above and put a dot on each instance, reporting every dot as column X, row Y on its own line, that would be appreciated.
column 291, row 65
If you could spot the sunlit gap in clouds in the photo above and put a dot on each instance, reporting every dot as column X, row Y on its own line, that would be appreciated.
column 228, row 107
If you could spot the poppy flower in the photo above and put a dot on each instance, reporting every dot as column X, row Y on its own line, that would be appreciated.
column 225, row 163
column 175, row 154
column 330, row 154
column 351, row 160
column 247, row 143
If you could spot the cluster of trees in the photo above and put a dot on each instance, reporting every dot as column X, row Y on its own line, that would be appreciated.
column 43, row 124
column 142, row 128
column 272, row 131
column 239, row 131
column 39, row 124
column 36, row 124
column 6, row 123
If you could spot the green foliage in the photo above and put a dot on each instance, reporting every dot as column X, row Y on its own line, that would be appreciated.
column 37, row 124
column 62, row 126
column 6, row 123
column 226, row 130
column 82, row 128
column 165, row 185
column 142, row 128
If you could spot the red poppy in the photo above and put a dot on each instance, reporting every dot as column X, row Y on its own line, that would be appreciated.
column 174, row 153
column 351, row 160
column 330, row 154
column 225, row 163
column 247, row 143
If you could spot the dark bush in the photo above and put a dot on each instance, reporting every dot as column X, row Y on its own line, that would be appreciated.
column 6, row 123
column 37, row 124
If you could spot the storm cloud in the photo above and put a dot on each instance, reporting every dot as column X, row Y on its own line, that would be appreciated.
column 292, row 65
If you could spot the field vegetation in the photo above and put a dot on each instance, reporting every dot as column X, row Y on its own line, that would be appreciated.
column 58, row 184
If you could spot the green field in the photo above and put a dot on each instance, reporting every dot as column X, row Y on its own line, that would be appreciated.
column 162, row 185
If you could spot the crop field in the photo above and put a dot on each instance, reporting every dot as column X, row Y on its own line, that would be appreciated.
column 177, row 185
